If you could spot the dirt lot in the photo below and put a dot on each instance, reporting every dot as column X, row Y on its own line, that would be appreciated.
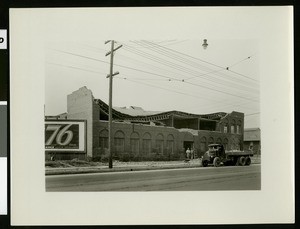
column 80, row 163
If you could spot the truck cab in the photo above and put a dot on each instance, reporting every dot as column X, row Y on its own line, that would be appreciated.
column 217, row 150
column 214, row 151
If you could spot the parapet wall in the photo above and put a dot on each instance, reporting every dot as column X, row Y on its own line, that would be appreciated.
column 80, row 106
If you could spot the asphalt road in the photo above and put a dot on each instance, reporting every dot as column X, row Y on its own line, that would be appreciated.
column 190, row 179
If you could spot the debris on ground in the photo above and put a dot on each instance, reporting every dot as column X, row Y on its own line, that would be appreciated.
column 82, row 163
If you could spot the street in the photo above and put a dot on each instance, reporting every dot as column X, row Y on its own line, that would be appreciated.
column 189, row 179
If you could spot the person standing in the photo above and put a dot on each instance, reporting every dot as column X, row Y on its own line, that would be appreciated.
column 188, row 153
column 192, row 153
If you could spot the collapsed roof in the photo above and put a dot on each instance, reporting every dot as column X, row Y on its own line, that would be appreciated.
column 138, row 114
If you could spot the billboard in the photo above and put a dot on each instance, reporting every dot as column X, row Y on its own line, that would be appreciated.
column 65, row 135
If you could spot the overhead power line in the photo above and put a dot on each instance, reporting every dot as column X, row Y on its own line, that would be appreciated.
column 232, row 104
column 78, row 55
column 158, row 49
column 165, row 62
column 216, row 103
column 222, row 81
column 252, row 114
column 215, row 65
column 239, row 62
column 131, row 80
column 166, row 89
column 167, row 77
column 182, row 93
column 143, row 79
column 227, row 93
column 188, row 71
column 73, row 67
column 218, row 81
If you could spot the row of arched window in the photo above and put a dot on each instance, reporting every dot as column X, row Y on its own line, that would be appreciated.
column 135, row 140
column 144, row 144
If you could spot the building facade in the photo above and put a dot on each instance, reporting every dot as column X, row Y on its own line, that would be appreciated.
column 147, row 135
column 252, row 140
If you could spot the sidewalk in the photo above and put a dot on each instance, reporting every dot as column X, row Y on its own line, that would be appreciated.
column 130, row 166
column 122, row 167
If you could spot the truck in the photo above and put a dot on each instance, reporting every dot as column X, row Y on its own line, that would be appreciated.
column 216, row 155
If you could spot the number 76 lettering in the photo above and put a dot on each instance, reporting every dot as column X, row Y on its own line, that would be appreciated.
column 58, row 134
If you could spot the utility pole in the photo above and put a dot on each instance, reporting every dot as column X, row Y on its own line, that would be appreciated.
column 110, row 76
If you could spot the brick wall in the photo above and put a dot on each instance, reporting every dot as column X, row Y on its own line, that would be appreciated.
column 81, row 105
column 233, row 141
column 138, row 130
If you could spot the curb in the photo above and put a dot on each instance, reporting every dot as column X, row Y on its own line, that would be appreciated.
column 83, row 170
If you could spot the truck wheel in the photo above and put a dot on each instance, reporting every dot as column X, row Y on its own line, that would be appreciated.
column 217, row 162
column 241, row 161
column 204, row 163
column 248, row 161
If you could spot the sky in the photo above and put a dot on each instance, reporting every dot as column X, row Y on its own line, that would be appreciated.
column 159, row 75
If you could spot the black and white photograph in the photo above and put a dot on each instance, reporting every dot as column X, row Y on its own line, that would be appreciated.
column 151, row 115
column 144, row 115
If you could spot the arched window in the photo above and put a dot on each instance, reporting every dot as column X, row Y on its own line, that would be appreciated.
column 135, row 143
column 203, row 146
column 103, row 139
column 119, row 141
column 170, row 143
column 225, row 130
column 160, row 143
column 219, row 141
column 232, row 128
column 146, row 144
column 225, row 143
column 239, row 127
column 188, row 137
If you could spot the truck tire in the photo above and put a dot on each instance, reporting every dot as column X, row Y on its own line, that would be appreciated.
column 217, row 162
column 248, row 161
column 204, row 163
column 241, row 161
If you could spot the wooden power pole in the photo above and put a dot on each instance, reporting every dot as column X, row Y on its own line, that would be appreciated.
column 110, row 76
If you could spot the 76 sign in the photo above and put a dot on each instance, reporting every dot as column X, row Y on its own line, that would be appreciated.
column 64, row 135
column 60, row 135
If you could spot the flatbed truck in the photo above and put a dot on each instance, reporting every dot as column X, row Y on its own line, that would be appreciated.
column 216, row 155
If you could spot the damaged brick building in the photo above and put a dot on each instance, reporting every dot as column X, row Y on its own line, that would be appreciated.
column 147, row 135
